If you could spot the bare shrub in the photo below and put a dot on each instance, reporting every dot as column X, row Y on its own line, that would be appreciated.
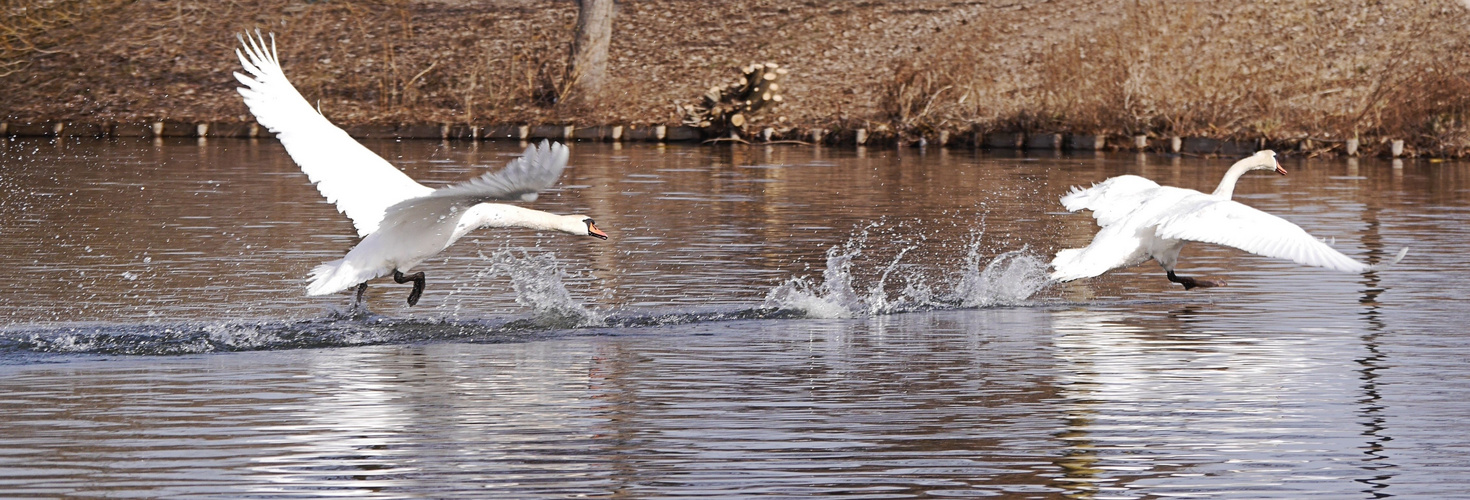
column 19, row 23
column 955, row 84
column 1312, row 69
column 24, row 25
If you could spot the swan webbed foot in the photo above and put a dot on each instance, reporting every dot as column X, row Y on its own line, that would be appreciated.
column 418, row 284
column 1192, row 283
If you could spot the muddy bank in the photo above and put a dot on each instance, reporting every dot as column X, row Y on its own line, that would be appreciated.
column 1303, row 75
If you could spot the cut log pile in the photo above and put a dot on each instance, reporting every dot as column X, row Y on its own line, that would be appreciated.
column 734, row 108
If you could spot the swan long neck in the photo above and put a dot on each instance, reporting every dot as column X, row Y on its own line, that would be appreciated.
column 498, row 215
column 1227, row 185
column 502, row 215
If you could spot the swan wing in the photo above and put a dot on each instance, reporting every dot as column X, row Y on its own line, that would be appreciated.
column 536, row 169
column 362, row 184
column 1112, row 199
column 1233, row 224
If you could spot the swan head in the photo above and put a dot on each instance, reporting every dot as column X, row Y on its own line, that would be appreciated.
column 1266, row 160
column 582, row 225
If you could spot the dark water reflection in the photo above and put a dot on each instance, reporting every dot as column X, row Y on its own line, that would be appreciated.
column 1289, row 383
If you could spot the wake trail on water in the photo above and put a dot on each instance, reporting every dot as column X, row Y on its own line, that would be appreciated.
column 537, row 277
column 875, row 272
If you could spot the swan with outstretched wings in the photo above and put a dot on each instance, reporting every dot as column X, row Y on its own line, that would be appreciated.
column 1141, row 220
column 401, row 221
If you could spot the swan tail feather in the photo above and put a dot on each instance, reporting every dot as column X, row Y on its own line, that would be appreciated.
column 1069, row 265
column 335, row 276
column 1076, row 199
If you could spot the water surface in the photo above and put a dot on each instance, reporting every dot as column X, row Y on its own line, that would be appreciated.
column 784, row 321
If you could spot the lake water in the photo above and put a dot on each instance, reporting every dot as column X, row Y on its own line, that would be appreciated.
column 781, row 321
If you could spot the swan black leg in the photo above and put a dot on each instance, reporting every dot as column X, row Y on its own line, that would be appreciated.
column 418, row 284
column 1191, row 283
column 361, row 291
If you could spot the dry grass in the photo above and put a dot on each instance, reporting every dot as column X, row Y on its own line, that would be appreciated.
column 24, row 25
column 424, row 70
column 1282, row 70
column 366, row 61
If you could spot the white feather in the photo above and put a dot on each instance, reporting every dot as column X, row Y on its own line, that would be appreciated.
column 1230, row 223
column 401, row 221
column 1141, row 220
column 359, row 182
column 417, row 228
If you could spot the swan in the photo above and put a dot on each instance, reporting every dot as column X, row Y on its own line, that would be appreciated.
column 401, row 222
column 1142, row 220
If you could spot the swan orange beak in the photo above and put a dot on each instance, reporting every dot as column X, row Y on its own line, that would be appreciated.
column 1280, row 170
column 593, row 231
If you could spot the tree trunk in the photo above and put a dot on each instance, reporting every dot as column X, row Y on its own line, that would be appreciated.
column 588, row 69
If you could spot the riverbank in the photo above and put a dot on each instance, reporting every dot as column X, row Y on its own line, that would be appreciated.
column 1198, row 146
column 1301, row 75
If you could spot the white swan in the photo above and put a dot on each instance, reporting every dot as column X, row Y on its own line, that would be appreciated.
column 401, row 221
column 1142, row 220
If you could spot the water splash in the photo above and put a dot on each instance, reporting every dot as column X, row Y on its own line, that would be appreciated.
column 539, row 283
column 1007, row 279
column 880, row 270
column 862, row 278
column 834, row 296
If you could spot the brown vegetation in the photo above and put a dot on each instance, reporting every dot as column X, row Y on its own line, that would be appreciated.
column 1282, row 71
column 1279, row 70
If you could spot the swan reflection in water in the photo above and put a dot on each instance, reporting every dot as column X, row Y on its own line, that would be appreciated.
column 1160, row 396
